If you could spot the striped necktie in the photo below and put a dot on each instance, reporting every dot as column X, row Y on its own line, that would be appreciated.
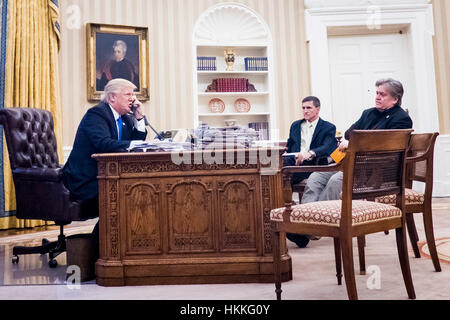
column 119, row 126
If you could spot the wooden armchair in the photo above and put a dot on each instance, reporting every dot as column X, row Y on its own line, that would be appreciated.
column 419, row 167
column 374, row 166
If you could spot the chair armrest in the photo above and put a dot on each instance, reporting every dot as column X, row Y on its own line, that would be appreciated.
column 421, row 157
column 321, row 168
column 39, row 174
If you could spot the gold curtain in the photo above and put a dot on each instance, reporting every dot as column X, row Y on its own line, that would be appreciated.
column 31, row 77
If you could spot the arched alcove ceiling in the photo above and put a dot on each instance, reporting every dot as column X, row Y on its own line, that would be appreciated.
column 231, row 23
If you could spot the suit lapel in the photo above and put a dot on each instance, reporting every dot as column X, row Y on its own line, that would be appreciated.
column 127, row 128
column 111, row 121
column 299, row 133
column 316, row 131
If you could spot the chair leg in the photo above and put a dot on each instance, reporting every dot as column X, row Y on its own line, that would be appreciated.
column 277, row 262
column 404, row 262
column 361, row 253
column 337, row 255
column 412, row 231
column 349, row 269
column 53, row 249
column 429, row 234
column 60, row 247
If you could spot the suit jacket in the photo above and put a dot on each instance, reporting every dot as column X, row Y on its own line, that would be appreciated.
column 323, row 141
column 372, row 119
column 97, row 133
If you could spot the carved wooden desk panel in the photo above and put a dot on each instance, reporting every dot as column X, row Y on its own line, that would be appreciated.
column 192, row 222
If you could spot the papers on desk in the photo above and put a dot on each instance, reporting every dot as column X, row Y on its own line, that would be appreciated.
column 164, row 145
column 289, row 154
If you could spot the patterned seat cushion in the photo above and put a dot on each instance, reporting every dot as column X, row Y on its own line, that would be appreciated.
column 411, row 197
column 329, row 212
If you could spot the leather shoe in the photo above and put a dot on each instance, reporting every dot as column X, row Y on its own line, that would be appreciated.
column 299, row 239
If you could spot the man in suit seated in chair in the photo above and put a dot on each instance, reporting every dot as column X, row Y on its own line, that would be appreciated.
column 310, row 139
column 387, row 114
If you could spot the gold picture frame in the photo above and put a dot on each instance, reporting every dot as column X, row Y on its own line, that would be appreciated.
column 115, row 51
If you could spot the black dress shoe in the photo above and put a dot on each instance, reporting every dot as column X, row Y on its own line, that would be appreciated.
column 299, row 239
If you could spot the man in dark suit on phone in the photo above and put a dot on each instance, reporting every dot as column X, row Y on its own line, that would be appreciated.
column 310, row 139
column 110, row 126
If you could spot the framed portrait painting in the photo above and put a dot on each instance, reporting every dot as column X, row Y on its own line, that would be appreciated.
column 115, row 51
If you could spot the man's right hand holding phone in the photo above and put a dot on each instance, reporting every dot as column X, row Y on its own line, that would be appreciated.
column 136, row 109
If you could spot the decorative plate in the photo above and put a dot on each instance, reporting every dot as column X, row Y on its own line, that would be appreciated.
column 242, row 105
column 216, row 105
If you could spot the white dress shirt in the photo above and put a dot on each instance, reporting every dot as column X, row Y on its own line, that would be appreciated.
column 307, row 132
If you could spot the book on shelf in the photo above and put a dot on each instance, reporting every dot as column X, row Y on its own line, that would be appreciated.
column 262, row 128
column 230, row 85
column 206, row 64
column 256, row 64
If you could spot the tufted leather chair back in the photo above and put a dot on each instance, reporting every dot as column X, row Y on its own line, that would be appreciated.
column 37, row 174
column 30, row 138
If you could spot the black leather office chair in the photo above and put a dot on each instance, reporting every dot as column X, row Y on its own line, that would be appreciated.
column 37, row 175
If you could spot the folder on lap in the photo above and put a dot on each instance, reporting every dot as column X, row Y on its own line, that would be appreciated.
column 337, row 155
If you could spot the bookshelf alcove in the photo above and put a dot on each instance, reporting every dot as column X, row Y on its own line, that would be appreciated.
column 237, row 27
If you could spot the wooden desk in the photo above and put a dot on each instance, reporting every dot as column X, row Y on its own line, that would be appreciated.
column 189, row 223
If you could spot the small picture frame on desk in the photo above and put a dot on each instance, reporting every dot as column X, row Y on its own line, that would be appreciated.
column 115, row 51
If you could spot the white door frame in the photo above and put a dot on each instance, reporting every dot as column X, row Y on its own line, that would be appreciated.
column 418, row 18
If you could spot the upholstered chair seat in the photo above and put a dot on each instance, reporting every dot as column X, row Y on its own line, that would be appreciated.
column 329, row 212
column 411, row 197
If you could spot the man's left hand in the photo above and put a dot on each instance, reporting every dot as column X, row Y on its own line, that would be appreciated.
column 343, row 145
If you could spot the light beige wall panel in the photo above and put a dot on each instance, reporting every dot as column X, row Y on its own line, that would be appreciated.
column 170, row 24
column 442, row 58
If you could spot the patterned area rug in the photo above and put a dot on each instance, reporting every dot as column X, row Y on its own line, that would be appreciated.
column 442, row 247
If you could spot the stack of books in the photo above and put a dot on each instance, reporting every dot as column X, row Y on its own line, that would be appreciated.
column 256, row 64
column 206, row 64
column 232, row 85
column 262, row 128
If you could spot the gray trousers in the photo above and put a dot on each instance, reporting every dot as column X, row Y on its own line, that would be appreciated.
column 322, row 186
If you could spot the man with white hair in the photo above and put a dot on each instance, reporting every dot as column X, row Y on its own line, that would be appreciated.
column 108, row 127
column 114, row 125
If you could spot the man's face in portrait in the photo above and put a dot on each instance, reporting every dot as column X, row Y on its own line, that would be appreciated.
column 384, row 100
column 119, row 53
